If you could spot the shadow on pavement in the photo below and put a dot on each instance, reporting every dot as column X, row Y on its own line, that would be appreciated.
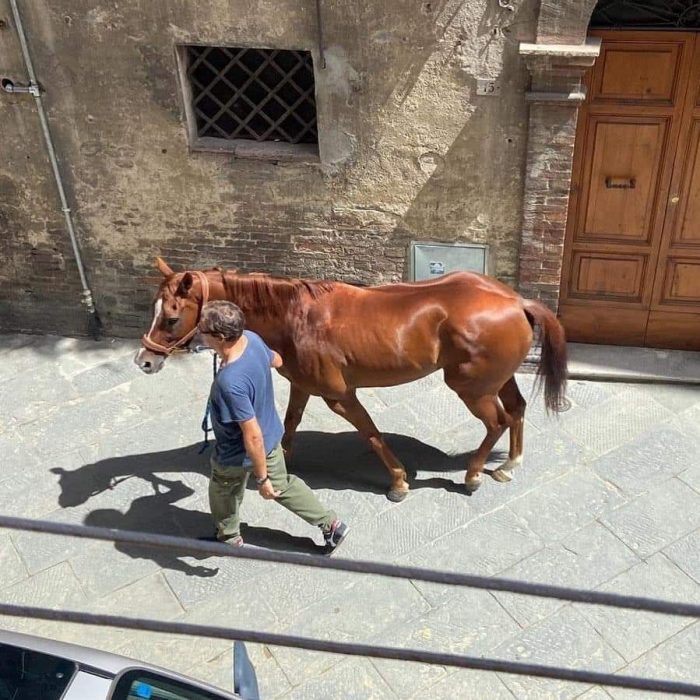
column 157, row 514
column 340, row 461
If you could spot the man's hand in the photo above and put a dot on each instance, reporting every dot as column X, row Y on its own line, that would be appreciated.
column 267, row 491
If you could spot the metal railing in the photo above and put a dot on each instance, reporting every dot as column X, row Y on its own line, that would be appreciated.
column 190, row 546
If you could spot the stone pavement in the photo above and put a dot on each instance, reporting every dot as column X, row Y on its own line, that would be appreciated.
column 608, row 499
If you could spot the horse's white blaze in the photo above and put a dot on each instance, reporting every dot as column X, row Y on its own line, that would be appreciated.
column 157, row 310
column 148, row 361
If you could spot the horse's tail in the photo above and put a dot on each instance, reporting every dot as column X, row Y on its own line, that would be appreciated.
column 552, row 367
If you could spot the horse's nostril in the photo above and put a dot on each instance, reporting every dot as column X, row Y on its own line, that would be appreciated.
column 147, row 365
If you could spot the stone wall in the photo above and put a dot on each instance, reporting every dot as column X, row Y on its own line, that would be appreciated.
column 408, row 151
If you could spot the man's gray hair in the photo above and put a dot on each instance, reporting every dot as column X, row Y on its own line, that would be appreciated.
column 223, row 319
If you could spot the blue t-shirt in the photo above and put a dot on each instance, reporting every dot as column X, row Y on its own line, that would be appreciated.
column 243, row 390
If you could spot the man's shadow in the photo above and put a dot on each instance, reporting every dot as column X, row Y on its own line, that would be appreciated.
column 339, row 461
column 157, row 514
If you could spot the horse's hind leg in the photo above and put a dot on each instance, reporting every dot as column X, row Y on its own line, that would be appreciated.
column 353, row 411
column 298, row 398
column 514, row 404
column 488, row 409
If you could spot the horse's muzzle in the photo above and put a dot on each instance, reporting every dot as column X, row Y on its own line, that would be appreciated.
column 149, row 362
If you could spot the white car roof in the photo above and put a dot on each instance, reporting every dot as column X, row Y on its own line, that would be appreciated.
column 105, row 661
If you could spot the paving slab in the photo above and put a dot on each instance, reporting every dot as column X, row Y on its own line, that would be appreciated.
column 12, row 569
column 567, row 639
column 567, row 504
column 585, row 559
column 614, row 422
column 643, row 465
column 632, row 633
column 355, row 679
column 685, row 553
column 471, row 623
column 675, row 659
column 361, row 613
column 655, row 520
column 487, row 546
column 465, row 683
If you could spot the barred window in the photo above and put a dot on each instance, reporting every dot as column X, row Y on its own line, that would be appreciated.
column 646, row 14
column 255, row 102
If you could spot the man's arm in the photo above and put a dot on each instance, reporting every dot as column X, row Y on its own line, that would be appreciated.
column 255, row 448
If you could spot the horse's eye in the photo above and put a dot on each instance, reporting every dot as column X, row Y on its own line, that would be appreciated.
column 170, row 322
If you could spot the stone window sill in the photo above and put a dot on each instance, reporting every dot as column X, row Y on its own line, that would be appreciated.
column 259, row 150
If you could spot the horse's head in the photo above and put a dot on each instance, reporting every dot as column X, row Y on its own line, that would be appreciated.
column 177, row 307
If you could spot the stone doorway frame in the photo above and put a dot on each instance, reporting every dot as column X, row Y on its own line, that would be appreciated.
column 557, row 62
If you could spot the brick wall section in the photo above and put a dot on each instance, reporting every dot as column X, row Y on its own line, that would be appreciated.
column 550, row 152
column 557, row 63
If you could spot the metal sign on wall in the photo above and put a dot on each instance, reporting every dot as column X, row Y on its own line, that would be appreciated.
column 430, row 260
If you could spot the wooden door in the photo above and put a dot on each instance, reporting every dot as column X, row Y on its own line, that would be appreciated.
column 631, row 271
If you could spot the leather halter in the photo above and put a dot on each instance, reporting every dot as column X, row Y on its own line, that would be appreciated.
column 167, row 350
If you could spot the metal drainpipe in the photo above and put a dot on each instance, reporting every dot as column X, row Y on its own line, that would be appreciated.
column 94, row 323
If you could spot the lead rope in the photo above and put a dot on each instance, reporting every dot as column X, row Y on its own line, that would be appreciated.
column 205, row 421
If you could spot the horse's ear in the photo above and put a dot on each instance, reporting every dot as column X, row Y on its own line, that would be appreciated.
column 163, row 267
column 183, row 289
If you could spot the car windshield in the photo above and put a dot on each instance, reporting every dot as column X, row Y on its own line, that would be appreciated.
column 31, row 675
column 140, row 685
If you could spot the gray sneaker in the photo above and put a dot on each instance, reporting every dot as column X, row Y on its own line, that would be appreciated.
column 235, row 541
column 334, row 536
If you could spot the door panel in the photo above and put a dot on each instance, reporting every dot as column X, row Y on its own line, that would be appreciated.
column 604, row 324
column 688, row 230
column 634, row 71
column 598, row 275
column 682, row 281
column 632, row 254
column 623, row 178
column 673, row 330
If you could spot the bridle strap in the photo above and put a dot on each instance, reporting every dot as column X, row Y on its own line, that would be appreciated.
column 167, row 350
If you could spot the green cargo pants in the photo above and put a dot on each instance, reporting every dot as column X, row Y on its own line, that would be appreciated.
column 227, row 488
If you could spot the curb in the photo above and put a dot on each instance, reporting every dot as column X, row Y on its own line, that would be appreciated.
column 530, row 367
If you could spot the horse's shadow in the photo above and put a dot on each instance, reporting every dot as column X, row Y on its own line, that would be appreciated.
column 340, row 461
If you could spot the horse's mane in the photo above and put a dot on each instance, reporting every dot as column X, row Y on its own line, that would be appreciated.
column 272, row 295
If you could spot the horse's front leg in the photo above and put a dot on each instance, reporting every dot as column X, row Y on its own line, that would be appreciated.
column 298, row 398
column 354, row 412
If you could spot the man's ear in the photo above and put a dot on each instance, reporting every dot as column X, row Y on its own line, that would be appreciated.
column 183, row 289
column 163, row 267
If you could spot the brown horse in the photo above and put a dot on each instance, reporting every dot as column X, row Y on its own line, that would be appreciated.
column 335, row 337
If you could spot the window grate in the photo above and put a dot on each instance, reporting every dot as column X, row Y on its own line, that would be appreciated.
column 254, row 94
column 647, row 14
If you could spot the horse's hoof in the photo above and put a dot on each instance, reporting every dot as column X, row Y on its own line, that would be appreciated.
column 501, row 476
column 396, row 496
column 472, row 486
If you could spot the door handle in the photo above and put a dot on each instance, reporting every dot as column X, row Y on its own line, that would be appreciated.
column 620, row 183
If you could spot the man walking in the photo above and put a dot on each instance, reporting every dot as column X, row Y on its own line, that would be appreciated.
column 248, row 431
